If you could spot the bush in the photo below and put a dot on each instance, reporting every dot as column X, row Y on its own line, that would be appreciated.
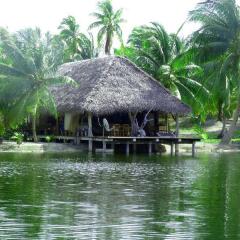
column 18, row 138
column 201, row 132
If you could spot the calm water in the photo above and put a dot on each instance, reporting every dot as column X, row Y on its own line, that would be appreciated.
column 111, row 197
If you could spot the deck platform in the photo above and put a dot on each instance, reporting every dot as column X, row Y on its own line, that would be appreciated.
column 174, row 142
column 150, row 141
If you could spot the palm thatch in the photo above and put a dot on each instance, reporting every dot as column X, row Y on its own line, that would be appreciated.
column 113, row 84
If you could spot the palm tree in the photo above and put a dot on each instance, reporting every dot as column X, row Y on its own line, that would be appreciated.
column 162, row 55
column 109, row 22
column 25, row 81
column 218, row 40
column 77, row 45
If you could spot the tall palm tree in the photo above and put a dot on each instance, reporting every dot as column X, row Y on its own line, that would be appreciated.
column 162, row 55
column 25, row 81
column 218, row 40
column 77, row 45
column 108, row 21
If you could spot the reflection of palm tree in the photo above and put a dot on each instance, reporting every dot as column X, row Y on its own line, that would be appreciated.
column 109, row 23
column 22, row 195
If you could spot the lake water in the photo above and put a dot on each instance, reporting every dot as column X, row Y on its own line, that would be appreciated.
column 118, row 197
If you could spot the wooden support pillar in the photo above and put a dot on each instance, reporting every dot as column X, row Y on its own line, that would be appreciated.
column 177, row 135
column 150, row 148
column 193, row 149
column 134, row 146
column 90, row 145
column 127, row 148
column 104, row 146
column 90, row 134
column 172, row 148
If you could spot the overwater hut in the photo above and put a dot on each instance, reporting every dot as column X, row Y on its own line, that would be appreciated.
column 113, row 88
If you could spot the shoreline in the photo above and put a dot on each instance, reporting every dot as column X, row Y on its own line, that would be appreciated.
column 30, row 147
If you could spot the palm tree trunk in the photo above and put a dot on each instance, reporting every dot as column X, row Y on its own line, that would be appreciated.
column 34, row 132
column 220, row 112
column 224, row 121
column 108, row 44
column 227, row 137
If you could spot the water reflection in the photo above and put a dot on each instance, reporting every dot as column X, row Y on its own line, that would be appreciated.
column 114, row 197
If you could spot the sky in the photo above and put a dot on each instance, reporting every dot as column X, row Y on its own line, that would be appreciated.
column 47, row 14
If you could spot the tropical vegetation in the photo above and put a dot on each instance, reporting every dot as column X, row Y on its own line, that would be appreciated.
column 202, row 69
column 108, row 21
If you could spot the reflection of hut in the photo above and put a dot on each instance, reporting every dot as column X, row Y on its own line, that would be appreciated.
column 113, row 85
column 114, row 88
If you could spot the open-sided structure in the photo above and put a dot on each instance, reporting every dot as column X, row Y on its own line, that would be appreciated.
column 116, row 89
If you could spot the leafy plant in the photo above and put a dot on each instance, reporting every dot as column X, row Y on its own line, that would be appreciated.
column 18, row 137
column 201, row 132
column 49, row 138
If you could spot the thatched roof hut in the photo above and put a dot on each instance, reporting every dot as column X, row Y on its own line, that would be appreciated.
column 113, row 84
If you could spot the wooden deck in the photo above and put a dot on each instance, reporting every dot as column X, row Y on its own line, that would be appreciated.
column 150, row 141
column 174, row 142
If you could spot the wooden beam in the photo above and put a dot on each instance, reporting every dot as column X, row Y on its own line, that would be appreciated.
column 134, row 148
column 104, row 146
column 193, row 149
column 150, row 148
column 90, row 134
column 177, row 135
column 172, row 146
column 90, row 145
column 127, row 148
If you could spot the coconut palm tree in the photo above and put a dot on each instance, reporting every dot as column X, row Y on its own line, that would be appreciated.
column 162, row 55
column 25, row 82
column 77, row 45
column 218, row 40
column 108, row 21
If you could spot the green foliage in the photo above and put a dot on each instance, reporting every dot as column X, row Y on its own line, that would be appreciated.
column 49, row 138
column 2, row 128
column 216, row 46
column 75, row 45
column 108, row 21
column 201, row 132
column 17, row 137
column 25, row 83
column 166, row 58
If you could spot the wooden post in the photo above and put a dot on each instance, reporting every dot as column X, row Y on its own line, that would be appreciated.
column 134, row 148
column 193, row 149
column 172, row 145
column 90, row 145
column 104, row 145
column 150, row 148
column 177, row 135
column 127, row 148
column 90, row 134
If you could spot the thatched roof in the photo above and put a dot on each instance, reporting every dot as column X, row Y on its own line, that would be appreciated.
column 113, row 84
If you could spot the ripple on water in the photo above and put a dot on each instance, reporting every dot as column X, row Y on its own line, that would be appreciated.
column 97, row 198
